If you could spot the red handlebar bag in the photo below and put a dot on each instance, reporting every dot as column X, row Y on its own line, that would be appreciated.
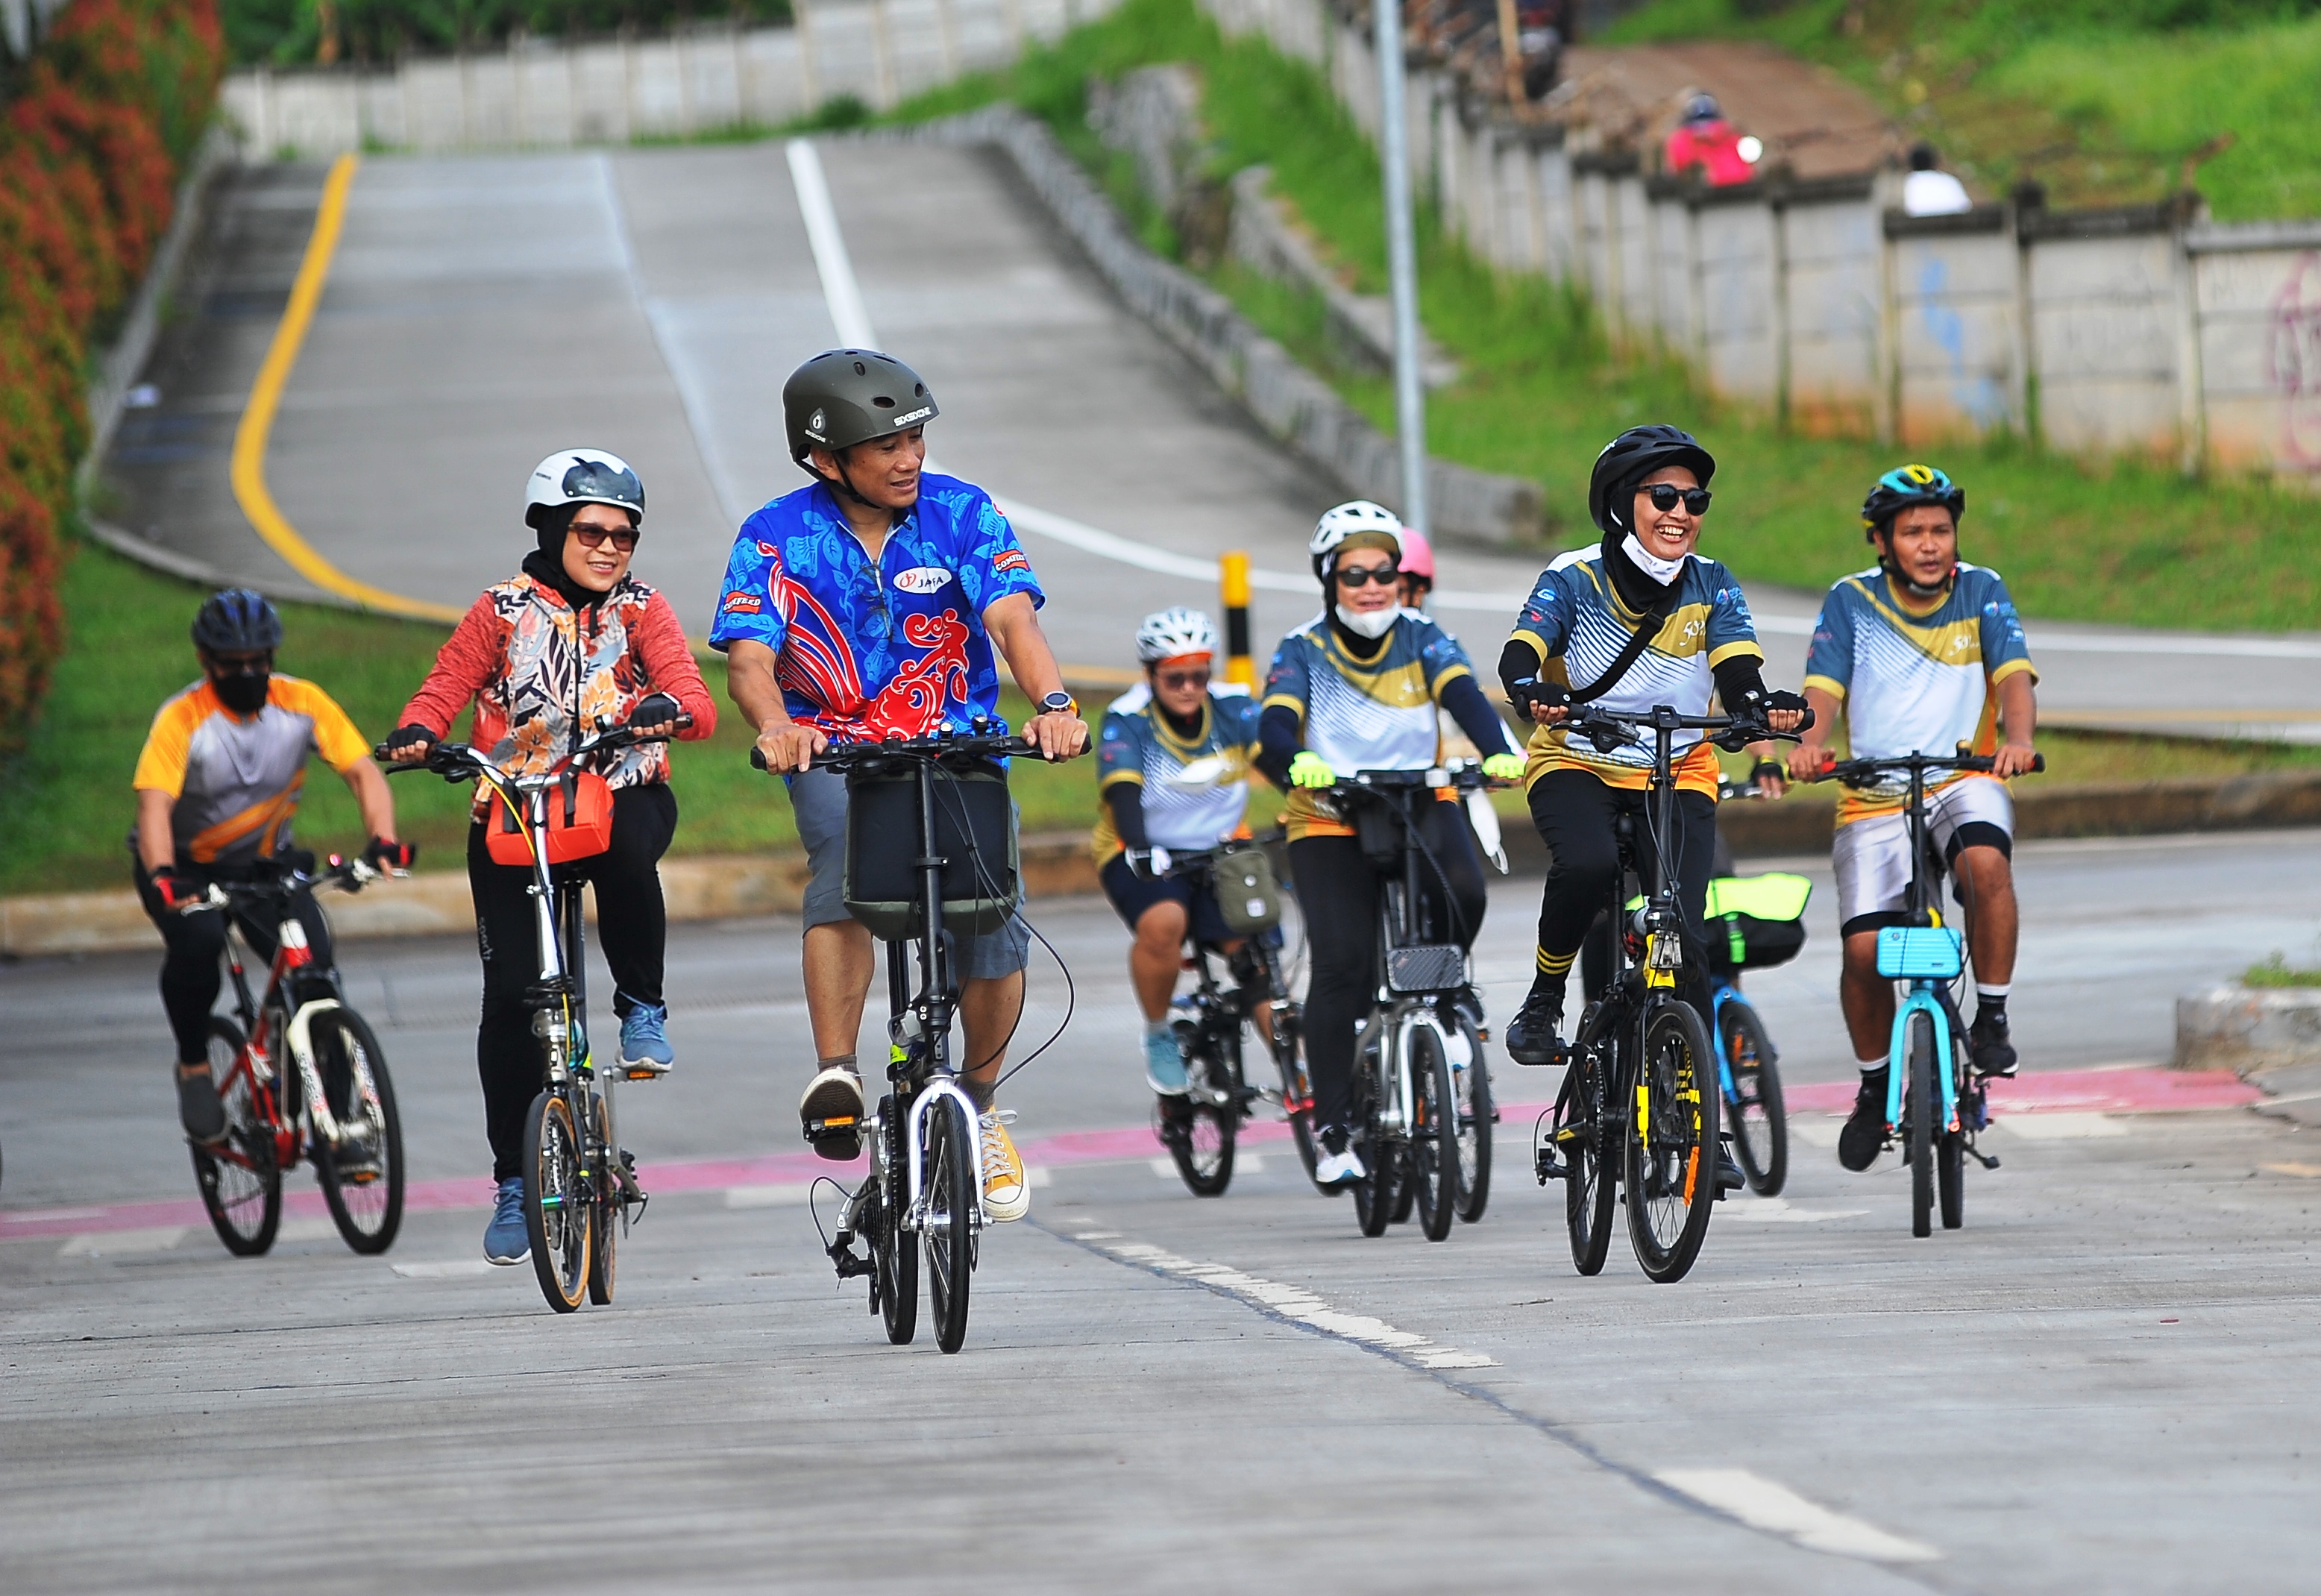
column 580, row 822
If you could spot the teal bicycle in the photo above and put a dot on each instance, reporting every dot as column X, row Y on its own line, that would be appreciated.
column 1935, row 1104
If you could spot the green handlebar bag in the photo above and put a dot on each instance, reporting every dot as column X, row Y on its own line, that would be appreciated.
column 1762, row 918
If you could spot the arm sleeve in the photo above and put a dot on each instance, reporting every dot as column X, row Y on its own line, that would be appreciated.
column 1739, row 682
column 2006, row 652
column 1829, row 658
column 1517, row 661
column 994, row 565
column 1545, row 621
column 1731, row 631
column 463, row 665
column 1279, row 736
column 1476, row 717
column 749, row 606
column 671, row 668
column 1127, row 801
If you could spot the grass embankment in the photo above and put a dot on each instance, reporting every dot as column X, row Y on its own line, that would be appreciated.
column 68, row 798
column 2104, row 101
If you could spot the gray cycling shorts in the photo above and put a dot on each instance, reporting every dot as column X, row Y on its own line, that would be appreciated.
column 818, row 798
column 1871, row 856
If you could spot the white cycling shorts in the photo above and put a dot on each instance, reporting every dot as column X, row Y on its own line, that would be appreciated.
column 1872, row 855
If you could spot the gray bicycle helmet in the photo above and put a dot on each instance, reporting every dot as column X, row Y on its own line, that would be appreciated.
column 845, row 396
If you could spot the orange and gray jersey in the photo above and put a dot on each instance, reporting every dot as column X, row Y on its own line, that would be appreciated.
column 235, row 781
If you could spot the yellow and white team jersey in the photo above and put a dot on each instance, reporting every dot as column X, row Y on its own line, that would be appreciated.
column 1136, row 744
column 1915, row 678
column 1576, row 621
column 236, row 781
column 1363, row 714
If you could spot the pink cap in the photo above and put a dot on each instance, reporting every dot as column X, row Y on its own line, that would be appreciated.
column 1417, row 553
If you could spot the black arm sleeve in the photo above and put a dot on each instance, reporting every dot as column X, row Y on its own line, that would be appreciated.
column 1127, row 801
column 1517, row 661
column 1739, row 685
column 1279, row 737
column 1476, row 717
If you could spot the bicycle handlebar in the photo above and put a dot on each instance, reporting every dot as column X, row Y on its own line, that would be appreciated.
column 1861, row 772
column 459, row 761
column 1466, row 775
column 348, row 875
column 1608, row 730
column 841, row 756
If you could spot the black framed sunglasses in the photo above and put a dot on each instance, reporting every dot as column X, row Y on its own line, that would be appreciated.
column 1178, row 680
column 1355, row 576
column 225, row 665
column 624, row 540
column 1667, row 495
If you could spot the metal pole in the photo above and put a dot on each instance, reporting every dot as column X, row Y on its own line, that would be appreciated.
column 1401, row 263
column 1232, row 584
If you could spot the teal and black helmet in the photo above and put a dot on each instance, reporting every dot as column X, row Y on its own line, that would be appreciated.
column 1906, row 487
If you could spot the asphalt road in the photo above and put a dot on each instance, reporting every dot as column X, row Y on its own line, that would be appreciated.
column 2103, row 1382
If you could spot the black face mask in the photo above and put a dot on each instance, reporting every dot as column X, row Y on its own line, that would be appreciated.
column 243, row 693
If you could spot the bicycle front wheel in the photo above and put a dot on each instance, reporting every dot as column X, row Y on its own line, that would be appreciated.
column 1583, row 1132
column 557, row 1208
column 894, row 1250
column 361, row 1177
column 1760, row 1126
column 1918, row 1109
column 1200, row 1138
column 952, row 1197
column 1434, row 1138
column 241, row 1179
column 1471, row 1088
column 1670, row 1168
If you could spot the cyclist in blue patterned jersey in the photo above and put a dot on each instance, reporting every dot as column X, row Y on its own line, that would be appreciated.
column 1173, row 760
column 876, row 603
column 1680, row 623
column 1923, row 653
column 1356, row 688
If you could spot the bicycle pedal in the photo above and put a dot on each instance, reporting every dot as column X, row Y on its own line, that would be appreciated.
column 1548, row 1167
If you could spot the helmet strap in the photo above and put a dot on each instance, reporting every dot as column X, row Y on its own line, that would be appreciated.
column 1882, row 540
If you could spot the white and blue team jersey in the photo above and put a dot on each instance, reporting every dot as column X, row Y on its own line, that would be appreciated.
column 1137, row 743
column 1915, row 680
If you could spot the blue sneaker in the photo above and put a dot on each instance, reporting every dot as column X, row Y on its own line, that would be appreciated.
column 644, row 1043
column 505, row 1239
column 1164, row 1064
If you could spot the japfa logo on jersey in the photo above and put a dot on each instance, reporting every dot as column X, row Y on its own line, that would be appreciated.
column 1010, row 559
column 921, row 579
column 742, row 604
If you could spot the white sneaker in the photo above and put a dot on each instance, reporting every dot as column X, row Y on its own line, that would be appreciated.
column 1336, row 1161
column 832, row 1113
column 1006, row 1194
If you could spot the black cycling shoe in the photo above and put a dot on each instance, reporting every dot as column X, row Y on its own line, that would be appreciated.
column 1863, row 1136
column 1729, row 1177
column 1988, row 1042
column 198, row 1108
column 1530, row 1037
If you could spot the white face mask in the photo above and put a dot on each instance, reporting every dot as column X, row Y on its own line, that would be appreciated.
column 1367, row 622
column 1663, row 571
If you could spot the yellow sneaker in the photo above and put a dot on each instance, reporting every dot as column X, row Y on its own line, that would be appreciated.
column 1006, row 1194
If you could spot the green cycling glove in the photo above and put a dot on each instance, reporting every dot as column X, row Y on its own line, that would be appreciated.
column 1308, row 770
column 1503, row 767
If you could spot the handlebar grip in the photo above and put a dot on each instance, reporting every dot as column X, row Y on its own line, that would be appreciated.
column 2038, row 764
column 757, row 758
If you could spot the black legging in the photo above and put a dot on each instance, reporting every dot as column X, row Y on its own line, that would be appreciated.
column 190, row 975
column 1338, row 893
column 1576, row 813
column 631, row 927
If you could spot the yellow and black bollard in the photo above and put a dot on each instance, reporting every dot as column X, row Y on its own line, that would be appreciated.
column 1233, row 580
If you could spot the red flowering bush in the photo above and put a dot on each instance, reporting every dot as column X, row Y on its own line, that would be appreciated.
column 98, row 126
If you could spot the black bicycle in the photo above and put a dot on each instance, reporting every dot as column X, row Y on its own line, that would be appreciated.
column 1422, row 1086
column 1641, row 1087
column 1200, row 1128
column 580, row 1190
column 930, row 857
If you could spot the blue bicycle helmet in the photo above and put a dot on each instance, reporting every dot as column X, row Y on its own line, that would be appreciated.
column 238, row 621
column 1904, row 488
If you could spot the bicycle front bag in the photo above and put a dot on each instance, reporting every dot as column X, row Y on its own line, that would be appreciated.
column 1247, row 898
column 975, row 834
column 1919, row 953
column 1431, row 967
column 1756, row 922
column 580, row 822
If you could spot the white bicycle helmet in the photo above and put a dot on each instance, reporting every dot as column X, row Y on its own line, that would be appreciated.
column 1345, row 521
column 1171, row 633
column 581, row 476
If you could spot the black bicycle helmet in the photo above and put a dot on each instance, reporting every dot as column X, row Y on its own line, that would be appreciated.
column 238, row 621
column 844, row 396
column 1633, row 456
column 1904, row 488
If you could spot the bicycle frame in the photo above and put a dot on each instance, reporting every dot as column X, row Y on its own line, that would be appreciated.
column 1927, row 995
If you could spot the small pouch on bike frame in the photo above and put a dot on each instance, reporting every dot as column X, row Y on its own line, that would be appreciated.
column 1919, row 953
column 1248, row 899
column 1430, row 967
column 1378, row 826
column 580, row 822
column 975, row 834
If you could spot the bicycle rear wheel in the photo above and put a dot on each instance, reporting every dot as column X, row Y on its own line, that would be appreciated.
column 1296, row 1086
column 1434, row 1138
column 1582, row 1132
column 556, row 1211
column 1950, row 1158
column 1200, row 1137
column 895, row 1250
column 1760, row 1128
column 606, row 1222
column 953, row 1198
column 362, row 1179
column 1918, row 1141
column 1670, row 1168
column 241, row 1179
column 1471, row 1087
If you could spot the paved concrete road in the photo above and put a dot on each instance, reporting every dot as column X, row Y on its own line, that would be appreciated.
column 2096, row 1385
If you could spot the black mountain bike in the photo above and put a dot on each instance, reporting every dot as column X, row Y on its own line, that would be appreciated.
column 929, row 856
column 1422, row 1087
column 1200, row 1128
column 1638, row 1107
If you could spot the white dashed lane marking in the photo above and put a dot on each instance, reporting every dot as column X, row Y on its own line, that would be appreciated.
column 117, row 1244
column 1762, row 1504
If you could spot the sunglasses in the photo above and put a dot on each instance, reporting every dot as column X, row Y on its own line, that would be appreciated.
column 625, row 540
column 1178, row 680
column 1385, row 576
column 241, row 664
column 1667, row 495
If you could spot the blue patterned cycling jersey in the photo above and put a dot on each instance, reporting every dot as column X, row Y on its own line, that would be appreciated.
column 1363, row 714
column 1579, row 624
column 893, row 647
column 1138, row 745
column 1915, row 680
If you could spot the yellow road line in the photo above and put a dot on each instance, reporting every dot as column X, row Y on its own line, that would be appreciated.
column 249, row 438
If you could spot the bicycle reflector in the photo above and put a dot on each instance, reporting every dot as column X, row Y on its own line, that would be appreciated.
column 580, row 822
column 1919, row 953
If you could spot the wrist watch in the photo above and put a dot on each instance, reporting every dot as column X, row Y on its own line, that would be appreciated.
column 1060, row 703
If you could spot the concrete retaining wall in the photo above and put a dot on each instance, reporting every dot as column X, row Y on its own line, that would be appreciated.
column 2142, row 330
column 2248, row 1029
